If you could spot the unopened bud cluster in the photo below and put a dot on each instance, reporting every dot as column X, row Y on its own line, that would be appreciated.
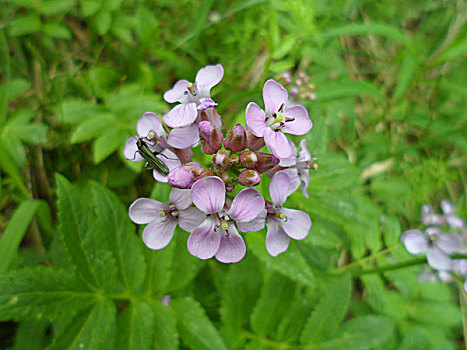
column 215, row 200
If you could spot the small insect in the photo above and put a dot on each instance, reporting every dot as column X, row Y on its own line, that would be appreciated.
column 150, row 157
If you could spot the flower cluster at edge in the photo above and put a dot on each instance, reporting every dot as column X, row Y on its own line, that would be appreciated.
column 444, row 236
column 202, row 200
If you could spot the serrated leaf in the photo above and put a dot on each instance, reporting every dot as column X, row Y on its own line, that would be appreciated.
column 360, row 333
column 329, row 312
column 109, row 141
column 92, row 128
column 13, row 235
column 166, row 335
column 89, row 329
column 41, row 293
column 195, row 328
column 274, row 301
column 135, row 327
column 236, row 307
column 290, row 263
column 117, row 231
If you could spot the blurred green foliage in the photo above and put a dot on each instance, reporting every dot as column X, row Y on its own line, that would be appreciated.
column 389, row 134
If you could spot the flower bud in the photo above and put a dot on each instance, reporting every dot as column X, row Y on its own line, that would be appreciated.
column 195, row 168
column 207, row 172
column 248, row 159
column 235, row 140
column 210, row 137
column 254, row 143
column 224, row 176
column 211, row 115
column 181, row 177
column 229, row 187
column 249, row 178
column 184, row 155
column 266, row 161
column 234, row 159
column 220, row 160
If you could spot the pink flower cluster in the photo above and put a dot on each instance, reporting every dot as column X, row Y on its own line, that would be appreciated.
column 202, row 200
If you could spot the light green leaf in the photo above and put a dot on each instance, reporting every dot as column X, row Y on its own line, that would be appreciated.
column 135, row 327
column 329, row 312
column 195, row 328
column 93, row 328
column 75, row 111
column 107, row 143
column 55, row 7
column 13, row 235
column 274, row 301
column 360, row 333
column 93, row 127
column 41, row 293
column 90, row 7
column 406, row 75
column 290, row 263
column 24, row 25
column 102, row 21
column 56, row 31
column 330, row 92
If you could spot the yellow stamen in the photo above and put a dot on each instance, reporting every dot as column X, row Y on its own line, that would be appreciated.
column 279, row 215
column 224, row 225
column 190, row 87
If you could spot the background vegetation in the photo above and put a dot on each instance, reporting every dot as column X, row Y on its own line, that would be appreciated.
column 389, row 134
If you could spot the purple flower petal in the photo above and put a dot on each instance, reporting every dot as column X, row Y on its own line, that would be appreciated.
column 181, row 199
column 297, row 223
column 449, row 243
column 208, row 77
column 455, row 221
column 254, row 225
column 150, row 122
column 177, row 93
column 204, row 241
column 303, row 155
column 130, row 151
column 206, row 103
column 447, row 207
column 190, row 218
column 277, row 240
column 185, row 137
column 181, row 115
column 415, row 241
column 277, row 143
column 159, row 232
column 294, row 179
column 302, row 123
column 170, row 159
column 208, row 194
column 292, row 160
column 255, row 119
column 247, row 205
column 279, row 187
column 304, row 181
column 274, row 96
column 232, row 247
column 144, row 210
column 437, row 259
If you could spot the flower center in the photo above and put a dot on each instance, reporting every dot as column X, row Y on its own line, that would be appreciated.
column 277, row 120
column 171, row 213
column 192, row 93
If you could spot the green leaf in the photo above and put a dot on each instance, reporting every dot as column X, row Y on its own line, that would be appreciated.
column 55, row 7
column 9, row 168
column 5, row 87
column 24, row 25
column 195, row 328
column 274, row 301
column 75, row 226
column 406, row 75
column 102, row 21
column 370, row 28
column 166, row 335
column 290, row 263
column 92, row 128
column 75, row 111
column 330, row 92
column 92, row 328
column 135, row 327
column 237, row 307
column 109, row 141
column 90, row 7
column 41, row 293
column 329, row 312
column 56, row 31
column 31, row 335
column 360, row 333
column 118, row 232
column 442, row 314
column 13, row 235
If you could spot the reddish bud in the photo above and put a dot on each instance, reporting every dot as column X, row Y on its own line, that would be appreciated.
column 210, row 137
column 207, row 172
column 224, row 176
column 235, row 140
column 181, row 177
column 254, row 143
column 211, row 115
column 248, row 159
column 249, row 178
column 229, row 187
column 220, row 160
column 234, row 159
column 266, row 161
column 184, row 155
